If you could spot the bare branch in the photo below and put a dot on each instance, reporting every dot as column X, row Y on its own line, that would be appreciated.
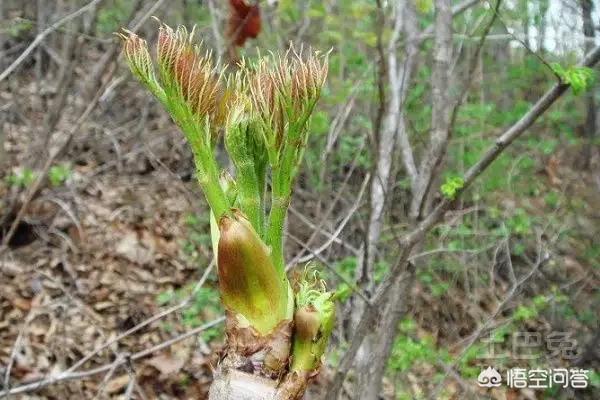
column 408, row 241
column 147, row 322
column 42, row 35
column 67, row 376
column 62, row 148
column 542, row 258
column 473, row 65
column 501, row 143
column 342, row 224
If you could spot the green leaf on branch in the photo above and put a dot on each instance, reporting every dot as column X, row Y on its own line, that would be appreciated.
column 579, row 78
column 451, row 186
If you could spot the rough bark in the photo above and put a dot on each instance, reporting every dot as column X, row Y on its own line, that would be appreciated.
column 380, row 342
column 411, row 31
column 374, row 369
column 369, row 318
column 385, row 149
column 255, row 366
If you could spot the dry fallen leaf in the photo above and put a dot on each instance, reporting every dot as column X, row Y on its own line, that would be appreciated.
column 166, row 364
column 23, row 304
column 131, row 248
column 117, row 384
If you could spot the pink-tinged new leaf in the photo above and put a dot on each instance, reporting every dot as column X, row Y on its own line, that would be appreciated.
column 138, row 58
column 284, row 91
column 191, row 75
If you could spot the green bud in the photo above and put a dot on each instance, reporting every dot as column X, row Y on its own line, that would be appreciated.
column 190, row 78
column 250, row 286
column 284, row 92
column 190, row 87
column 314, row 321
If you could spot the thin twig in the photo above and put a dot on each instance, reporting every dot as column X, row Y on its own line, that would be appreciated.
column 41, row 179
column 342, row 224
column 65, row 376
column 412, row 238
column 322, row 231
column 333, row 203
column 43, row 176
column 42, row 35
column 142, row 324
column 542, row 258
column 322, row 259
column 16, row 346
column 523, row 43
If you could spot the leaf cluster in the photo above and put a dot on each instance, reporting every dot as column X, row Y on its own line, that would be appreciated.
column 579, row 78
column 264, row 110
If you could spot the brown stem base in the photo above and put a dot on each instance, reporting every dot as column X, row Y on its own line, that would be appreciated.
column 255, row 367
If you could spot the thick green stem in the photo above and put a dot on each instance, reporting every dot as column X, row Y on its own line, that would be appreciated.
column 280, row 201
column 249, row 195
column 208, row 178
column 279, row 205
column 282, row 180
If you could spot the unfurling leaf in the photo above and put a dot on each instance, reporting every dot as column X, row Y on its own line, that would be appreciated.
column 579, row 78
column 249, row 284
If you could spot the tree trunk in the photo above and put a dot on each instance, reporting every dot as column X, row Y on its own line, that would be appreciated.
column 441, row 107
column 373, row 370
column 543, row 10
column 591, row 118
column 374, row 353
column 526, row 23
column 391, row 76
column 380, row 343
column 417, row 234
